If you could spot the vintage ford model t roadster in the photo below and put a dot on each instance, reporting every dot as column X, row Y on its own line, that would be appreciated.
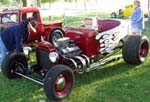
column 81, row 50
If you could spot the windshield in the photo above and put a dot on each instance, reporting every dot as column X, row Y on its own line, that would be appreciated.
column 10, row 18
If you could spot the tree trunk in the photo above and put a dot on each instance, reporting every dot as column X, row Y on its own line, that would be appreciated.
column 24, row 3
column 85, row 6
column 148, row 5
column 76, row 3
column 39, row 3
column 50, row 3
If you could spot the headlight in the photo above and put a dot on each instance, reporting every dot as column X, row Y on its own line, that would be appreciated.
column 26, row 50
column 53, row 56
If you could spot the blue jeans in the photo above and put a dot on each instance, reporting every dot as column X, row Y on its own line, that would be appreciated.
column 3, row 51
column 136, row 30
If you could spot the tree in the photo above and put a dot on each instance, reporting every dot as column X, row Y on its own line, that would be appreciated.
column 45, row 1
column 76, row 3
column 39, row 3
column 24, row 3
column 4, row 1
column 68, row 0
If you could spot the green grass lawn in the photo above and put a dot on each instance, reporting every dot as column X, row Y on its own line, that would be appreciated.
column 115, row 82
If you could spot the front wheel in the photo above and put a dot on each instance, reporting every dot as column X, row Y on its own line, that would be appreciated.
column 135, row 49
column 58, row 82
column 14, row 62
column 55, row 35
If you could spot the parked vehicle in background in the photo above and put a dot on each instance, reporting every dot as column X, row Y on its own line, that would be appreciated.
column 50, row 31
column 126, row 12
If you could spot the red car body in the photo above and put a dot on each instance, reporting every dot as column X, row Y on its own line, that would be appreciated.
column 85, row 39
column 42, row 29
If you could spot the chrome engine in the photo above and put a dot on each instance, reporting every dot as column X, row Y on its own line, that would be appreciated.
column 67, row 48
column 72, row 54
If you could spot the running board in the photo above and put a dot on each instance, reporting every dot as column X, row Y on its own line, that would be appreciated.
column 99, row 64
column 41, row 82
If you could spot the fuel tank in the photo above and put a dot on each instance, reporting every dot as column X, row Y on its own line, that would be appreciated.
column 85, row 39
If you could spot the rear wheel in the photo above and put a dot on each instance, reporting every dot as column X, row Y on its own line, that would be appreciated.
column 55, row 35
column 135, row 49
column 58, row 82
column 14, row 62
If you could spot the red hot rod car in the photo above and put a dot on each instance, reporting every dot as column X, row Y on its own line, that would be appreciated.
column 50, row 32
column 83, row 49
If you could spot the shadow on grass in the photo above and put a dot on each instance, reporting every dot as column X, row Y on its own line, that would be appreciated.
column 129, row 89
column 102, row 73
column 20, row 90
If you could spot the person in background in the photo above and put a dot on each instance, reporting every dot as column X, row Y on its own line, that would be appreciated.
column 90, row 23
column 87, row 23
column 137, row 19
column 11, row 39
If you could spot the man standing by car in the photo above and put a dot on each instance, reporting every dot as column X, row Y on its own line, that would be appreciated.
column 11, row 39
column 137, row 19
